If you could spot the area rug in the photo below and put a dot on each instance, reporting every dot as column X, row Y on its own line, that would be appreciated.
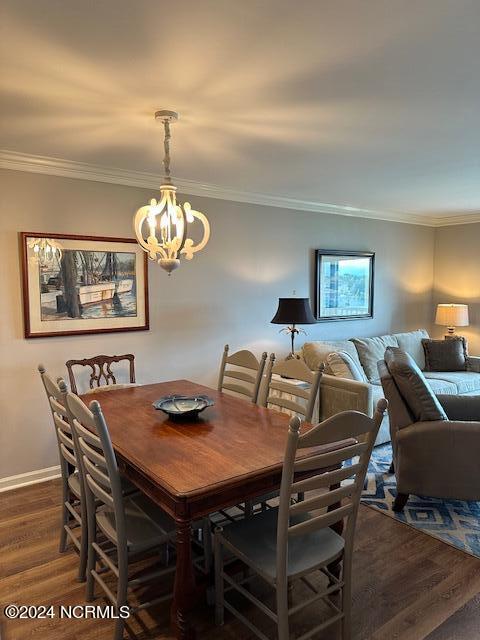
column 456, row 522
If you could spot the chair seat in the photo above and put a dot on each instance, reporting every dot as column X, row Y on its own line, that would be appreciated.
column 146, row 524
column 74, row 484
column 255, row 540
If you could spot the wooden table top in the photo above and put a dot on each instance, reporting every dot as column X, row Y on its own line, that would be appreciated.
column 230, row 441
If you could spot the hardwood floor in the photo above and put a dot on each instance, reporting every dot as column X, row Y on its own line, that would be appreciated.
column 407, row 585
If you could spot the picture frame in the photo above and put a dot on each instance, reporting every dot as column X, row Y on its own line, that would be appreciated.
column 344, row 285
column 91, row 284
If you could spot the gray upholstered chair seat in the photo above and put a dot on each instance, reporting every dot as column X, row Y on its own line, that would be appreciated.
column 464, row 381
column 146, row 524
column 256, row 540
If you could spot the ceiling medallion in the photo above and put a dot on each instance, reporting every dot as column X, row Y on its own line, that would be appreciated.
column 163, row 227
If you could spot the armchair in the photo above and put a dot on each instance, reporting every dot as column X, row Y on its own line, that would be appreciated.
column 435, row 439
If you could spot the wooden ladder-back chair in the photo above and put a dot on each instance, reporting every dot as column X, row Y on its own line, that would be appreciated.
column 244, row 369
column 74, row 515
column 285, row 545
column 102, row 377
column 134, row 526
column 284, row 394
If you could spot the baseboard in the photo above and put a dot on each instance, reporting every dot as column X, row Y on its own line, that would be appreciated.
column 32, row 477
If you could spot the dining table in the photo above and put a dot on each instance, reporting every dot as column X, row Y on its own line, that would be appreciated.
column 232, row 452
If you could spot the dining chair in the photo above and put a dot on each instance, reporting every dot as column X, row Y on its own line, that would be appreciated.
column 102, row 377
column 291, row 386
column 286, row 544
column 244, row 369
column 73, row 514
column 133, row 525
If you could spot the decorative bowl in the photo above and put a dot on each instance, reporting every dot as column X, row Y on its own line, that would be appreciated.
column 178, row 406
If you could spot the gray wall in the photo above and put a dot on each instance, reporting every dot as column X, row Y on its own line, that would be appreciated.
column 228, row 293
column 457, row 275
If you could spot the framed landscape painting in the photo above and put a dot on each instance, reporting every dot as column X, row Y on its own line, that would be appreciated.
column 344, row 285
column 82, row 284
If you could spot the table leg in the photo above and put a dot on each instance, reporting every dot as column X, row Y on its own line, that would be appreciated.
column 184, row 591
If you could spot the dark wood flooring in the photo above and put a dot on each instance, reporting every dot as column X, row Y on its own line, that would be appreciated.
column 407, row 585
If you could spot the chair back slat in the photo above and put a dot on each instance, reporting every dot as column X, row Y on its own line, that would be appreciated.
column 99, row 492
column 321, row 522
column 96, row 473
column 68, row 455
column 101, row 370
column 354, row 424
column 237, row 388
column 286, row 387
column 324, row 460
column 279, row 393
column 340, row 427
column 293, row 368
column 240, row 375
column 286, row 403
column 324, row 500
column 58, row 408
column 246, row 369
column 325, row 479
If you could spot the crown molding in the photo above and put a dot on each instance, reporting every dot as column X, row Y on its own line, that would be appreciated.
column 17, row 161
column 464, row 218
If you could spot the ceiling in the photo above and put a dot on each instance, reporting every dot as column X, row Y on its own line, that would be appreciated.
column 368, row 105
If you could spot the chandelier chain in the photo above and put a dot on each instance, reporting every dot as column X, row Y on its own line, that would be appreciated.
column 166, row 144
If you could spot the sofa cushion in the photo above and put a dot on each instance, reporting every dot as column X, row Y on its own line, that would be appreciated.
column 413, row 386
column 445, row 355
column 314, row 353
column 411, row 342
column 441, row 387
column 464, row 381
column 342, row 365
column 371, row 350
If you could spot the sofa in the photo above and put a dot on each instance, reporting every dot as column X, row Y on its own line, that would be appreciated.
column 362, row 391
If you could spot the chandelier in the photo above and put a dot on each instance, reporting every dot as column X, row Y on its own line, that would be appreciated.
column 163, row 227
column 47, row 251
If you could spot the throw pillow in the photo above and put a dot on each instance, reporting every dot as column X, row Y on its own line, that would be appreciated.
column 411, row 342
column 445, row 355
column 371, row 350
column 342, row 365
column 413, row 386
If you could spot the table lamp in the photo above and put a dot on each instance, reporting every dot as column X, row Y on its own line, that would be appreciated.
column 293, row 311
column 451, row 316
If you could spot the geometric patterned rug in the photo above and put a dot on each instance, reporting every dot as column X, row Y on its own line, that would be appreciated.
column 456, row 522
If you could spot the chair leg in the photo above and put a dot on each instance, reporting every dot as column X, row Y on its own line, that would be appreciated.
column 122, row 587
column 62, row 547
column 282, row 611
column 207, row 545
column 347, row 607
column 218, row 556
column 83, row 555
column 400, row 501
column 91, row 554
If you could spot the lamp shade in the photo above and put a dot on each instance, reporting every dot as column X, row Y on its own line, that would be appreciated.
column 293, row 311
column 452, row 315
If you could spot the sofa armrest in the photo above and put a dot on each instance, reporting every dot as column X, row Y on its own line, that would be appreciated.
column 473, row 363
column 461, row 407
column 341, row 394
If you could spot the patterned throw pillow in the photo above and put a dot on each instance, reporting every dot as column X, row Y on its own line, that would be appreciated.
column 445, row 355
column 342, row 365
